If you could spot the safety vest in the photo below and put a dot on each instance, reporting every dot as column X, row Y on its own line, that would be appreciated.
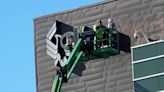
column 99, row 33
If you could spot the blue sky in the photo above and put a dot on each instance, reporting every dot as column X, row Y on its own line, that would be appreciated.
column 17, row 67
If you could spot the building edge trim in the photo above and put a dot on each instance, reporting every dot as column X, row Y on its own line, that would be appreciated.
column 75, row 9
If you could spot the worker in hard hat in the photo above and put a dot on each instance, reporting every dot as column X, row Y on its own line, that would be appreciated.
column 112, row 30
column 98, row 29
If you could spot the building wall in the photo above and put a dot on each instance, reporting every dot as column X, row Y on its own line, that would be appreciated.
column 111, row 74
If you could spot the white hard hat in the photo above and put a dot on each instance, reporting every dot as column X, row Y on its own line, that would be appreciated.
column 110, row 20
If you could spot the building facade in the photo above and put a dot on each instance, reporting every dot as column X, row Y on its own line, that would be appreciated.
column 113, row 74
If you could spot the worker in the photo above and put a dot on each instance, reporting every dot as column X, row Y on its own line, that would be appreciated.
column 112, row 31
column 98, row 29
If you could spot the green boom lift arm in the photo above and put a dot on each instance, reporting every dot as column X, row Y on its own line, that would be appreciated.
column 77, row 53
column 70, row 65
column 57, row 83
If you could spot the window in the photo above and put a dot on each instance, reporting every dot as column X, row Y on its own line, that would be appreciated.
column 147, row 51
column 148, row 67
column 150, row 85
